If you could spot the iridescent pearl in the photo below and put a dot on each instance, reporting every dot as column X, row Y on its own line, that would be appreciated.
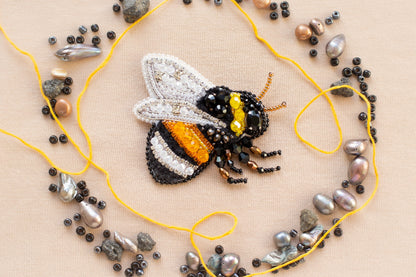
column 303, row 32
column 229, row 264
column 67, row 188
column 358, row 170
column 310, row 238
column 317, row 26
column 324, row 204
column 192, row 260
column 281, row 239
column 59, row 73
column 91, row 216
column 355, row 146
column 336, row 46
column 345, row 200
column 63, row 108
column 262, row 4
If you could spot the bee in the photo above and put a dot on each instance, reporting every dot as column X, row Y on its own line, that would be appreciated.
column 195, row 122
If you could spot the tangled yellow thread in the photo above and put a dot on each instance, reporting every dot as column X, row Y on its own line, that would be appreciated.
column 192, row 231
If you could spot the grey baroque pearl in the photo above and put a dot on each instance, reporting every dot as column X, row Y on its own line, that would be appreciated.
column 345, row 200
column 67, row 189
column 229, row 264
column 91, row 216
column 214, row 264
column 310, row 238
column 317, row 26
column 355, row 146
column 324, row 204
column 358, row 170
column 125, row 242
column 281, row 239
column 192, row 260
column 336, row 46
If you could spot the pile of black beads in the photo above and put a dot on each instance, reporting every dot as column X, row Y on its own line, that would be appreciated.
column 284, row 6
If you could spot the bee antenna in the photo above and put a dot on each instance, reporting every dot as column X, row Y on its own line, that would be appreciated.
column 266, row 87
column 275, row 108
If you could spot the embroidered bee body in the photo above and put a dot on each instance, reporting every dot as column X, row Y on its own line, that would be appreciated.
column 194, row 121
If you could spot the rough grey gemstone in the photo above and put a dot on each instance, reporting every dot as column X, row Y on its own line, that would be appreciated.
column 308, row 220
column 346, row 92
column 112, row 249
column 52, row 88
column 214, row 264
column 229, row 264
column 281, row 256
column 324, row 204
column 281, row 239
column 336, row 46
column 192, row 260
column 134, row 9
column 310, row 238
column 145, row 242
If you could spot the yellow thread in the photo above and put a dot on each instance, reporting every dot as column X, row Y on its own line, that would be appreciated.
column 192, row 231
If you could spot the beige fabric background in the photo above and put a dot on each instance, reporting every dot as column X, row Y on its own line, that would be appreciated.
column 218, row 42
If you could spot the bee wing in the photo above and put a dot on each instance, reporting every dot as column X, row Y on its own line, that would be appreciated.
column 168, row 77
column 153, row 110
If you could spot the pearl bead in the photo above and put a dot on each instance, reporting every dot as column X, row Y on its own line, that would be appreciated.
column 336, row 46
column 63, row 108
column 281, row 239
column 59, row 73
column 262, row 4
column 303, row 32
column 317, row 26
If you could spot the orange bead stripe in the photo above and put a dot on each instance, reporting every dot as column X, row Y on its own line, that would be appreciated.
column 191, row 140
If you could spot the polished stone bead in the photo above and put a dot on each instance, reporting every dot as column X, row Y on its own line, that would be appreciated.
column 336, row 46
column 344, row 199
column 324, row 204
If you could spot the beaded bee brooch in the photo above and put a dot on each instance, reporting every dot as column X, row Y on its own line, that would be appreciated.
column 194, row 122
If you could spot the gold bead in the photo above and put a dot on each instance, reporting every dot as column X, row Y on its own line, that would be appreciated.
column 224, row 173
column 63, row 108
column 228, row 154
column 255, row 150
column 303, row 32
column 262, row 4
column 252, row 165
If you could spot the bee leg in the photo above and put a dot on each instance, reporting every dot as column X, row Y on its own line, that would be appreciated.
column 230, row 163
column 231, row 180
column 253, row 165
column 263, row 154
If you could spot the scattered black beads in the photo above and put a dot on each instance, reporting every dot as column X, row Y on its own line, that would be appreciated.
column 67, row 222
column 313, row 53
column 95, row 28
column 52, row 102
column 256, row 262
column 300, row 246
column 135, row 266
column 307, row 248
column 365, row 94
column 338, row 232
column 53, row 139
column 117, row 267
column 85, row 192
column 184, row 269
column 372, row 98
column 63, row 138
column 96, row 40
column 360, row 189
column 360, row 78
column 336, row 15
column 80, row 39
column 313, row 40
column 79, row 198
column 327, row 236
column 367, row 73
column 53, row 171
column 334, row 61
column 192, row 274
column 139, row 272
column 373, row 131
column 356, row 61
column 284, row 5
column 89, row 237
column 81, row 184
column 53, row 188
column 111, row 35
column 347, row 72
column 77, row 217
column 329, row 20
column 70, row 39
column 46, row 110
column 52, row 40
column 128, row 272
column 203, row 273
column 364, row 86
column 92, row 200
column 116, row 8
column 273, row 6
column 187, row 2
column 334, row 221
column 66, row 90
column 345, row 184
column 274, row 15
column 362, row 116
column 285, row 13
column 241, row 272
column 357, row 70
column 143, row 264
column 373, row 116
column 322, row 244
column 106, row 234
column 80, row 231
column 139, row 257
column 101, row 205
column 293, row 233
column 156, row 255
column 219, row 249
column 98, row 249
column 82, row 29
column 68, row 81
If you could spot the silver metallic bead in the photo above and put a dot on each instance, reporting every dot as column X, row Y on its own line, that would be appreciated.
column 192, row 260
column 345, row 200
column 310, row 238
column 358, row 170
column 336, row 46
column 317, row 26
column 281, row 239
column 91, row 216
column 324, row 204
column 214, row 264
column 355, row 146
column 67, row 188
column 125, row 242
column 74, row 52
column 229, row 264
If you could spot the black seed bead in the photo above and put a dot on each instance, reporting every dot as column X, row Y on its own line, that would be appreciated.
column 357, row 70
column 53, row 188
column 106, row 234
column 70, row 39
column 336, row 15
column 364, row 86
column 79, row 198
column 338, row 232
column 46, row 110
column 313, row 53
column 356, row 61
column 375, row 139
column 116, row 7
column 202, row 274
column 85, row 192
column 362, row 116
column 284, row 5
column 96, row 40
column 334, row 61
column 347, row 72
column 82, row 185
column 52, row 40
column 89, row 237
column 256, row 262
column 275, row 271
column 52, row 102
column 68, row 81
column 63, row 138
column 53, row 171
column 345, row 184
column 334, row 221
column 111, row 35
column 219, row 249
column 92, row 200
column 139, row 272
column 157, row 255
column 77, row 217
column 67, row 222
column 372, row 98
column 307, row 248
column 139, row 257
column 117, row 267
column 95, row 28
column 98, row 249
column 128, row 272
column 313, row 40
column 300, row 246
column 66, row 90
column 187, row 2
column 373, row 116
column 241, row 272
column 273, row 6
column 80, row 39
column 135, row 266
column 293, row 233
column 367, row 73
column 373, row 107
column 285, row 13
column 329, row 20
column 191, row 275
column 327, row 236
column 361, row 78
column 365, row 94
column 53, row 139
column 184, row 269
column 373, row 131
column 101, row 205
column 82, row 29
column 201, row 268
column 274, row 15
column 143, row 264
column 322, row 244
column 360, row 189
column 80, row 231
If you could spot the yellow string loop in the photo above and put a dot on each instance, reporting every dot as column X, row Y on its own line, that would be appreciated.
column 192, row 231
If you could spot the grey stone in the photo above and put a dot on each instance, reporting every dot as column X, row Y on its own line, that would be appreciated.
column 214, row 264
column 52, row 88
column 145, row 242
column 281, row 256
column 308, row 220
column 112, row 249
column 134, row 9
column 346, row 92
